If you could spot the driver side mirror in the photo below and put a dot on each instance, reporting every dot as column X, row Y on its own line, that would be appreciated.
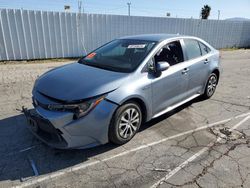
column 162, row 66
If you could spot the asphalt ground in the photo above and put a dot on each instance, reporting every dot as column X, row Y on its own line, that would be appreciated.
column 200, row 144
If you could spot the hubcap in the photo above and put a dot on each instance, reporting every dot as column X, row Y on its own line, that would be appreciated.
column 129, row 123
column 212, row 82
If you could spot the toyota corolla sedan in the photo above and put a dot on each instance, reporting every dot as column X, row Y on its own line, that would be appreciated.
column 109, row 93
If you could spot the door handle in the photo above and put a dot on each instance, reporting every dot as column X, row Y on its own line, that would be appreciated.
column 185, row 71
column 206, row 61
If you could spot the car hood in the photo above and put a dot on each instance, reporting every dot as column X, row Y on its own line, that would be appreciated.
column 77, row 82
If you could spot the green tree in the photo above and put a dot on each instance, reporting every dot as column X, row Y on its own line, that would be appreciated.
column 205, row 11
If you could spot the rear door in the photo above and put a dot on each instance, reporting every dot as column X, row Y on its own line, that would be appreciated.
column 197, row 55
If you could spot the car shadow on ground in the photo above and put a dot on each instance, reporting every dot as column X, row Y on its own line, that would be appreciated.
column 169, row 114
column 18, row 148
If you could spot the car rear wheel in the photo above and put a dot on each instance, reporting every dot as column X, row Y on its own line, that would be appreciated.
column 125, row 123
column 211, row 86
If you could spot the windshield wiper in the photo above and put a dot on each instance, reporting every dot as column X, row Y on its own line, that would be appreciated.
column 96, row 65
column 105, row 67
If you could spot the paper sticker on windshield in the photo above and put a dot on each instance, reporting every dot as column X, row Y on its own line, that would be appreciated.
column 90, row 56
column 137, row 46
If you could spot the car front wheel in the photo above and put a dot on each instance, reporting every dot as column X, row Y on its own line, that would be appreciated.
column 125, row 123
column 211, row 86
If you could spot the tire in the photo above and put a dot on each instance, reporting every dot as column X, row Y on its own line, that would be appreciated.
column 210, row 86
column 125, row 123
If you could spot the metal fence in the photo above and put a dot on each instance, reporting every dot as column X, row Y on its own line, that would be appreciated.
column 38, row 34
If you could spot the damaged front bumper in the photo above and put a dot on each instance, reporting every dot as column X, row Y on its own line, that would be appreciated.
column 60, row 130
column 43, row 129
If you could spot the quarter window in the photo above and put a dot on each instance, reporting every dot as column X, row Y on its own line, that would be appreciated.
column 204, row 49
column 192, row 48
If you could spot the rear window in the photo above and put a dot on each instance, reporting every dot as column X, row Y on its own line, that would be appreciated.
column 192, row 48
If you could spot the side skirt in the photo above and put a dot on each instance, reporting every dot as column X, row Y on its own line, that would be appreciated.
column 175, row 106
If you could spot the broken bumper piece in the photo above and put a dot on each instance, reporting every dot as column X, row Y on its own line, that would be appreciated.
column 60, row 129
column 44, row 130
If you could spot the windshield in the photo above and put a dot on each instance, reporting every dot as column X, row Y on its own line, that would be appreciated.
column 122, row 55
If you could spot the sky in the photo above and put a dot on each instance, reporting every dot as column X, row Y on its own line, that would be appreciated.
column 158, row 8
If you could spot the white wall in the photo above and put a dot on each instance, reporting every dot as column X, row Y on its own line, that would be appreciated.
column 39, row 35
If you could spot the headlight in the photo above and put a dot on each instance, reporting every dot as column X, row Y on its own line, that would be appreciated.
column 79, row 110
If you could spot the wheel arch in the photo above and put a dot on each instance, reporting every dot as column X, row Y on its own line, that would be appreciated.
column 141, row 104
column 217, row 72
column 143, row 108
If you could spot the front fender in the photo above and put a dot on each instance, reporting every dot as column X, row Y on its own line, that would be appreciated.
column 134, row 89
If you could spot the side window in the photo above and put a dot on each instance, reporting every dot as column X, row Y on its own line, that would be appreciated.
column 204, row 49
column 192, row 48
column 171, row 53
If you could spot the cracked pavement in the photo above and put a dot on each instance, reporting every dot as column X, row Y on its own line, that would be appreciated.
column 160, row 147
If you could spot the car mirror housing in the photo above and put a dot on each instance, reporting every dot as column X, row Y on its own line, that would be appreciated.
column 162, row 66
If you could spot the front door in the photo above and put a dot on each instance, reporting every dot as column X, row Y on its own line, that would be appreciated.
column 170, row 87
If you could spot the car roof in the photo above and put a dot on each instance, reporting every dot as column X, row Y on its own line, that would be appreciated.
column 153, row 37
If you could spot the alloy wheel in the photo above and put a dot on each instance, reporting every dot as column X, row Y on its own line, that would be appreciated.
column 129, row 122
column 212, row 82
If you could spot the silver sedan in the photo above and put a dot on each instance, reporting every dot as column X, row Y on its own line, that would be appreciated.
column 109, row 93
